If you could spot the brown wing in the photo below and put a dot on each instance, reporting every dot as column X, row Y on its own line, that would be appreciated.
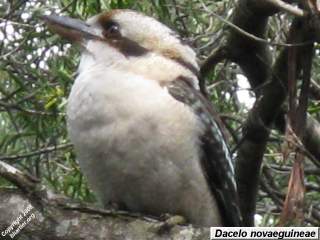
column 215, row 159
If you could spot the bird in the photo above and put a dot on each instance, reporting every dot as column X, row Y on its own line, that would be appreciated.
column 146, row 138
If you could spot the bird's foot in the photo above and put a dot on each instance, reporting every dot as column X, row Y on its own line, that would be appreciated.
column 168, row 222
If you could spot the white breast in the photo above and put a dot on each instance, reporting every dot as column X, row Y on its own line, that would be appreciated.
column 138, row 146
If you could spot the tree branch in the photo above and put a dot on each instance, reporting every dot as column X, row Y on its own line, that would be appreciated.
column 288, row 8
column 33, row 212
column 270, row 86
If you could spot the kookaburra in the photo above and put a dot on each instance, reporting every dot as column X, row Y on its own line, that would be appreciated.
column 145, row 137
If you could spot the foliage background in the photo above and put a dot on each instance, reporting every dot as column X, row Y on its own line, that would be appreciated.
column 37, row 69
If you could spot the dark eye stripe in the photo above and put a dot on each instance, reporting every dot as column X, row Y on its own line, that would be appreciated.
column 127, row 47
column 130, row 48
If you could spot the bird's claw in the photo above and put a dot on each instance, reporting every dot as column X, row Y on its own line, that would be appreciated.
column 169, row 221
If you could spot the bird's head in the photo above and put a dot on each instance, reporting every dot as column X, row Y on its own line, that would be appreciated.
column 128, row 39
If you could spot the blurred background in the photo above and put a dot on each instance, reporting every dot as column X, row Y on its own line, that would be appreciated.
column 37, row 69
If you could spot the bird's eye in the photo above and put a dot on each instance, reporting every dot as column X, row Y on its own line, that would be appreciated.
column 111, row 30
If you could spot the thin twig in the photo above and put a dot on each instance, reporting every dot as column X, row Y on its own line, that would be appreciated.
column 16, row 23
column 37, row 152
column 288, row 8
column 16, row 106
column 252, row 36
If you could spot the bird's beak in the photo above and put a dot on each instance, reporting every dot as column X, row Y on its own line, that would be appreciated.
column 72, row 29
